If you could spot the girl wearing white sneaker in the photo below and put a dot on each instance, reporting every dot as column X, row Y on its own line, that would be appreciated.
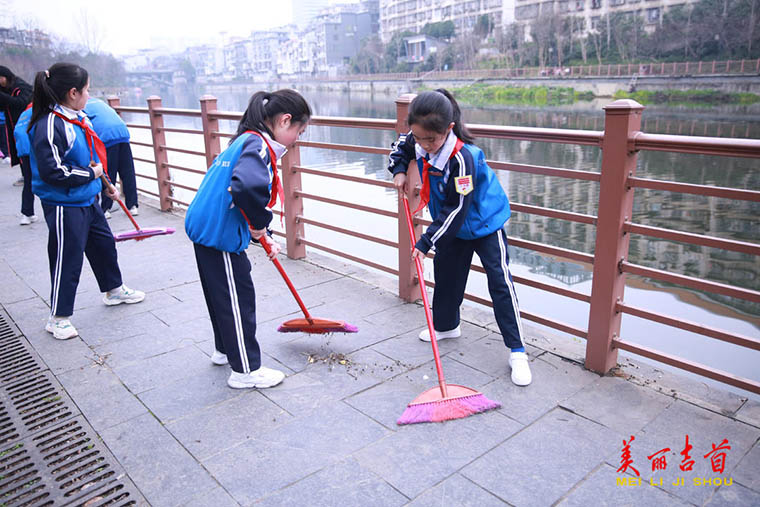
column 66, row 172
column 469, row 210
column 243, row 180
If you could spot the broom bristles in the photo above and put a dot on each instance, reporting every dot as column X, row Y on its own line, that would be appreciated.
column 446, row 409
column 338, row 328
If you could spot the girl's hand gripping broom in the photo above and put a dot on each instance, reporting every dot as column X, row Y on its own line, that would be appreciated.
column 138, row 234
column 447, row 401
column 309, row 324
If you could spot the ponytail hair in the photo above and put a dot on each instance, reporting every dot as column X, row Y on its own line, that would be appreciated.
column 265, row 107
column 52, row 85
column 434, row 111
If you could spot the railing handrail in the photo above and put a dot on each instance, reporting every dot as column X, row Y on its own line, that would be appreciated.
column 621, row 140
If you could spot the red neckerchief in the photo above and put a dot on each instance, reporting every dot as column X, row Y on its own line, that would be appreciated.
column 93, row 141
column 277, row 189
column 425, row 192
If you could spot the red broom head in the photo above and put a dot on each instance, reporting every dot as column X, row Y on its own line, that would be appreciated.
column 446, row 409
column 317, row 326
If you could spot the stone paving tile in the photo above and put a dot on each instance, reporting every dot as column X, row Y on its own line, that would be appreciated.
column 554, row 380
column 489, row 354
column 344, row 483
column 245, row 414
column 160, row 370
column 386, row 402
column 734, row 495
column 30, row 315
column 101, row 396
column 618, row 404
column 165, row 472
column 457, row 490
column 15, row 289
column 291, row 452
column 600, row 488
column 397, row 320
column 409, row 349
column 97, row 334
column 554, row 453
column 747, row 472
column 326, row 380
column 750, row 413
column 419, row 456
column 692, row 390
column 60, row 355
column 179, row 313
column 217, row 497
column 197, row 330
column 668, row 431
column 136, row 348
column 174, row 399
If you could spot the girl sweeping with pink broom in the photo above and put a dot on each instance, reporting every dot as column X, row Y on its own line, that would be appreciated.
column 231, row 207
column 469, row 210
column 66, row 175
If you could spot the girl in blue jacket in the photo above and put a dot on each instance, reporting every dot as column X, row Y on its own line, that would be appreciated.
column 66, row 174
column 232, row 207
column 469, row 210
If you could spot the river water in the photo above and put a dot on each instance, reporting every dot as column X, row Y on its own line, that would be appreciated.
column 703, row 215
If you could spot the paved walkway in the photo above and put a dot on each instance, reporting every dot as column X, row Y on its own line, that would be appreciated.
column 141, row 376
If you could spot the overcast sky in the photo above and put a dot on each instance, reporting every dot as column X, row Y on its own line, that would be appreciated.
column 128, row 25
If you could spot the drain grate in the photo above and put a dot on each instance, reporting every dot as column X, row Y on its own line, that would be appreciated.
column 64, row 465
column 17, row 359
column 31, row 405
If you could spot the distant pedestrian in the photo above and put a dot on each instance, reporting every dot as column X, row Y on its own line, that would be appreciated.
column 15, row 96
column 23, row 147
column 3, row 139
column 66, row 171
column 242, row 180
column 469, row 210
column 115, row 135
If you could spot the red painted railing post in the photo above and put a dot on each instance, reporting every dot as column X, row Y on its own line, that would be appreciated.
column 159, row 152
column 291, row 183
column 210, row 126
column 622, row 119
column 114, row 102
column 407, row 285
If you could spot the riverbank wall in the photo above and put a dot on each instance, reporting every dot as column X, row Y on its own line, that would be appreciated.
column 599, row 86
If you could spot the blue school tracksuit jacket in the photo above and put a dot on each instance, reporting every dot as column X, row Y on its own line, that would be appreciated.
column 239, row 178
column 60, row 160
column 23, row 144
column 109, row 126
column 458, row 210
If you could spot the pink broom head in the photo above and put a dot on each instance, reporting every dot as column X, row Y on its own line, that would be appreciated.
column 142, row 234
column 317, row 326
column 446, row 409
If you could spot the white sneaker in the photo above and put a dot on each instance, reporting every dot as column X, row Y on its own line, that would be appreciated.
column 107, row 214
column 441, row 335
column 261, row 378
column 121, row 295
column 25, row 220
column 219, row 358
column 134, row 211
column 61, row 328
column 518, row 361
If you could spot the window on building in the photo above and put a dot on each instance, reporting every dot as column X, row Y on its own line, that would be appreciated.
column 653, row 15
column 617, row 2
column 596, row 4
column 580, row 5
column 526, row 11
column 595, row 22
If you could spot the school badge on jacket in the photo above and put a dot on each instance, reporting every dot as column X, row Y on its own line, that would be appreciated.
column 463, row 184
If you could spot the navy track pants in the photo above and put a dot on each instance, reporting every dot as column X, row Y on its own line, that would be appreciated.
column 231, row 301
column 73, row 233
column 451, row 268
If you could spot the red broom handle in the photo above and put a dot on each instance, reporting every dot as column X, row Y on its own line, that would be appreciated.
column 110, row 187
column 279, row 267
column 423, row 292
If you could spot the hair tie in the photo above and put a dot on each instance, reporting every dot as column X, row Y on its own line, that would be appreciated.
column 47, row 74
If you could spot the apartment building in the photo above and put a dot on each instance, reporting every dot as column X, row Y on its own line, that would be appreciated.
column 413, row 15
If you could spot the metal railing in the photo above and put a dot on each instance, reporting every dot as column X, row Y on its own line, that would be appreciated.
column 620, row 142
